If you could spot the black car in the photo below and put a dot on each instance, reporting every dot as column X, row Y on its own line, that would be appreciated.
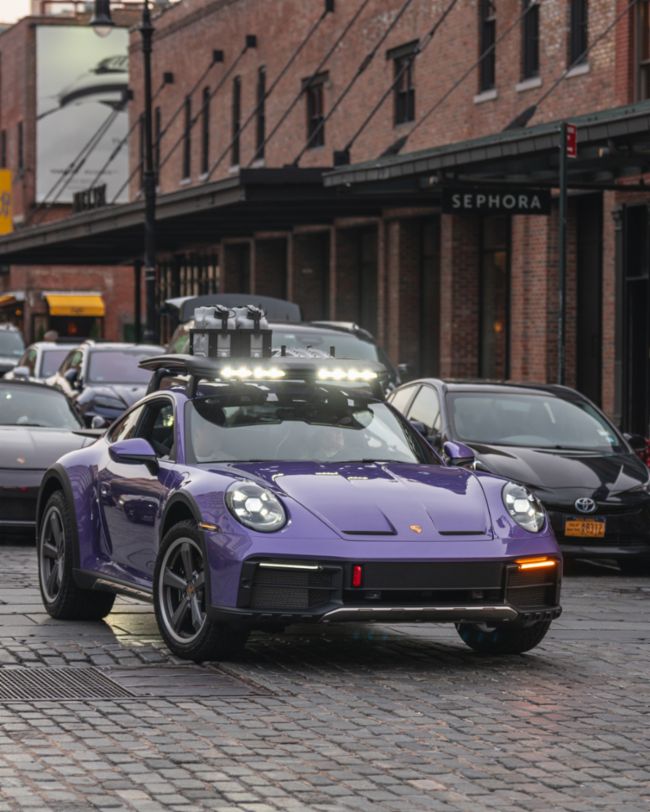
column 37, row 426
column 556, row 442
column 104, row 379
column 12, row 347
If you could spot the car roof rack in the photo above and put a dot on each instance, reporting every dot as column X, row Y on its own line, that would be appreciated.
column 254, row 370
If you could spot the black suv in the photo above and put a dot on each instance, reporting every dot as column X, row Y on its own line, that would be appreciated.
column 104, row 379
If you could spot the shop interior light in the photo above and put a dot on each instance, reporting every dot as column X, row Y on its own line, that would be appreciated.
column 341, row 374
column 535, row 563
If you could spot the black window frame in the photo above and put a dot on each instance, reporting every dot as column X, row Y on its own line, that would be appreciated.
column 578, row 32
column 187, row 139
column 260, row 114
column 530, row 36
column 206, row 98
column 314, row 88
column 403, row 59
column 235, row 149
column 487, row 45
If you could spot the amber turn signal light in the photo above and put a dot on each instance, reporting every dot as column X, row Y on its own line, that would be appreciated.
column 535, row 563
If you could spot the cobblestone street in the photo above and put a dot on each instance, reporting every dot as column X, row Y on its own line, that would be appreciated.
column 355, row 717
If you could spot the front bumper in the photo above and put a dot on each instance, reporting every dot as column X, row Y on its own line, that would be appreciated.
column 282, row 591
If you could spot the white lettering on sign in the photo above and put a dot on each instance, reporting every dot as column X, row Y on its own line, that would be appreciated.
column 478, row 201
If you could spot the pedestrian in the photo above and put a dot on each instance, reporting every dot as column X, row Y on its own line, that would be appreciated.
column 51, row 335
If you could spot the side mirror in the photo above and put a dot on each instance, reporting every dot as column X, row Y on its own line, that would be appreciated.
column 636, row 441
column 99, row 422
column 458, row 453
column 136, row 450
column 21, row 372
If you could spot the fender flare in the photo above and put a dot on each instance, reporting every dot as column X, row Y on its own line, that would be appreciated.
column 57, row 473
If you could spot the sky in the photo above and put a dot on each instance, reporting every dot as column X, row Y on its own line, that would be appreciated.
column 12, row 10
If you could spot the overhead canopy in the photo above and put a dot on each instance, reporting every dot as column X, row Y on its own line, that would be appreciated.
column 90, row 305
column 11, row 297
column 613, row 145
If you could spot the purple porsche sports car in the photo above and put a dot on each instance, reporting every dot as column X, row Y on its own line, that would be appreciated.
column 257, row 495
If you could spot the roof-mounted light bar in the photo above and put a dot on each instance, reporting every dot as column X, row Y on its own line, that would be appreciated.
column 343, row 374
column 257, row 373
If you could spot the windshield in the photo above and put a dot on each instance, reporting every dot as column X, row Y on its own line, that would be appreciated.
column 292, row 424
column 35, row 406
column 345, row 346
column 538, row 421
column 52, row 360
column 11, row 343
column 118, row 366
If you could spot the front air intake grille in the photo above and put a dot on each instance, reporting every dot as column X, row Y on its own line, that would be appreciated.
column 291, row 590
column 18, row 508
column 532, row 589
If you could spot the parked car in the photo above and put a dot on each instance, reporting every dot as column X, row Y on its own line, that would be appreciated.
column 559, row 445
column 349, row 340
column 41, row 360
column 37, row 426
column 104, row 379
column 12, row 347
column 285, row 492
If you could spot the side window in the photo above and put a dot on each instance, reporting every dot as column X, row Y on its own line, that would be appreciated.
column 125, row 428
column 30, row 360
column 400, row 400
column 65, row 366
column 157, row 426
column 426, row 408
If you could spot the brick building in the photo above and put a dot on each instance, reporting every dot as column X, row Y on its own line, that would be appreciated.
column 305, row 147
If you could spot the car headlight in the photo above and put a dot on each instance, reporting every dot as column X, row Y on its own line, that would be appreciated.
column 255, row 506
column 524, row 508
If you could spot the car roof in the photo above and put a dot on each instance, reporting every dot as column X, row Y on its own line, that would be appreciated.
column 54, row 345
column 123, row 346
column 504, row 387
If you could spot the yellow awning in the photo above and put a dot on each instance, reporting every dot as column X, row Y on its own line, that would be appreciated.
column 7, row 298
column 75, row 304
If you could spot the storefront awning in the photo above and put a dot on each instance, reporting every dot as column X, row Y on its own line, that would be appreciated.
column 90, row 305
column 11, row 297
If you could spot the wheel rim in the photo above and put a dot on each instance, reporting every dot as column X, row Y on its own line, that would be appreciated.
column 181, row 590
column 51, row 554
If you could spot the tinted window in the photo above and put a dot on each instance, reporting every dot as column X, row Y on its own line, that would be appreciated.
column 11, row 343
column 297, row 424
column 117, row 366
column 36, row 406
column 345, row 346
column 125, row 428
column 426, row 408
column 51, row 360
column 401, row 398
column 158, row 427
column 538, row 421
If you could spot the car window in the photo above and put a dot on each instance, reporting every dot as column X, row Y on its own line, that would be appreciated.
column 345, row 345
column 11, row 343
column 157, row 426
column 426, row 408
column 34, row 405
column 117, row 366
column 401, row 398
column 51, row 361
column 125, row 428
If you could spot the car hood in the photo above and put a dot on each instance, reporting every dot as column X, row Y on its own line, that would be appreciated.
column 554, row 469
column 128, row 393
column 381, row 499
column 36, row 448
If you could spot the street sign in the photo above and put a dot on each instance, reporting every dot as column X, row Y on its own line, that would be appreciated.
column 6, row 215
column 495, row 201
column 571, row 141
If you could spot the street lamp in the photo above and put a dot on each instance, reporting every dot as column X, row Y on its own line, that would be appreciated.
column 102, row 23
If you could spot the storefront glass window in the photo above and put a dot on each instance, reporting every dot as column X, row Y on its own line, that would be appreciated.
column 495, row 305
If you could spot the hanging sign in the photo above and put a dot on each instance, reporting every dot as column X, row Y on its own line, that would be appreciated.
column 571, row 141
column 496, row 201
column 6, row 214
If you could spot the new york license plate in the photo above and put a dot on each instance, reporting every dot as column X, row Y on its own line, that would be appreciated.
column 585, row 528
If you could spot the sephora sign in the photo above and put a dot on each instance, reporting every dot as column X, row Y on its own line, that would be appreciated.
column 496, row 201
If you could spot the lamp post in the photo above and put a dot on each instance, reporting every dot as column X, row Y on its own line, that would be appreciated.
column 102, row 23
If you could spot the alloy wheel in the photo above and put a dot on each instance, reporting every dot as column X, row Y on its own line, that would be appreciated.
column 52, row 554
column 181, row 590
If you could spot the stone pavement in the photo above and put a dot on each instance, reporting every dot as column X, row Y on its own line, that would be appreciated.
column 345, row 718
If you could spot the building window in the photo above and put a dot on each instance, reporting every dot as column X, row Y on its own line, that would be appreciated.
column 20, row 158
column 643, row 49
column 494, row 293
column 403, row 81
column 187, row 138
column 314, row 91
column 205, row 131
column 260, row 134
column 530, row 39
column 487, row 51
column 157, row 136
column 3, row 148
column 236, row 120
column 578, row 32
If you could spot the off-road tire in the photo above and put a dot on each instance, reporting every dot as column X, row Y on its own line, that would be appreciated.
column 504, row 638
column 205, row 639
column 55, row 543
